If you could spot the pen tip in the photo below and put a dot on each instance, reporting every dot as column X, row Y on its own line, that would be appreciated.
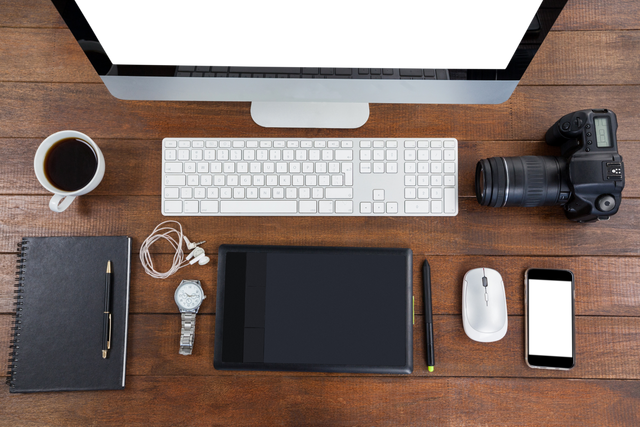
column 109, row 266
column 104, row 354
column 430, row 368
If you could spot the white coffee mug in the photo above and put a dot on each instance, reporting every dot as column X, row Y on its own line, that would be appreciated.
column 62, row 199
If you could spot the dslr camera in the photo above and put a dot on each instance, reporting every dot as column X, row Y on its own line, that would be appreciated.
column 587, row 179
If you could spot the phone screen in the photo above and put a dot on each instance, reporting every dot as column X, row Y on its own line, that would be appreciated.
column 550, row 326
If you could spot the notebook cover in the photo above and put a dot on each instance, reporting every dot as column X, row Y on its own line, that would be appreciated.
column 327, row 309
column 58, row 341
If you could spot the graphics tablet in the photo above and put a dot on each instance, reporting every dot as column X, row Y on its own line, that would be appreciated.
column 322, row 309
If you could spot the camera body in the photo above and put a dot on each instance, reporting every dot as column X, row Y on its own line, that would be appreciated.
column 587, row 179
column 594, row 169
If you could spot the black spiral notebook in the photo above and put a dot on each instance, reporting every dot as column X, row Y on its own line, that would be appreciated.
column 60, row 291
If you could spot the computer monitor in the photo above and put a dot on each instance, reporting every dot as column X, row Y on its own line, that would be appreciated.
column 305, row 64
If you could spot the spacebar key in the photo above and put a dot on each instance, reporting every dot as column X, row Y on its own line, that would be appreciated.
column 258, row 206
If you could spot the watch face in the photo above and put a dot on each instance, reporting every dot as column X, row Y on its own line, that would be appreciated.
column 189, row 296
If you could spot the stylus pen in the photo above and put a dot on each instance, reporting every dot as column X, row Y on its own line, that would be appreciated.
column 106, row 316
column 428, row 315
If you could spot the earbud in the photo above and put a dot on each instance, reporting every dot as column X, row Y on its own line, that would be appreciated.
column 198, row 256
column 200, row 259
column 195, row 253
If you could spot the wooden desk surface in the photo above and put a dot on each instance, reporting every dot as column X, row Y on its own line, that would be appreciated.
column 591, row 60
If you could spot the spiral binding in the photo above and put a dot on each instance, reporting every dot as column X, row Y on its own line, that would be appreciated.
column 16, row 327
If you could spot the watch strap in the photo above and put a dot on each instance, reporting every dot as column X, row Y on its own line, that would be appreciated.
column 187, row 333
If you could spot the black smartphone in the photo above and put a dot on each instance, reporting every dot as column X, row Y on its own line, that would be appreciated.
column 549, row 319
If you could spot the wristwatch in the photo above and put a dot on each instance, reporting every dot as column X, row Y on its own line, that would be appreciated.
column 189, row 295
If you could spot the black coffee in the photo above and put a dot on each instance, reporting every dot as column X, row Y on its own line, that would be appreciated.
column 70, row 164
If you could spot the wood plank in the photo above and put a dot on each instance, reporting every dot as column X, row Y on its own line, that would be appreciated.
column 477, row 230
column 605, row 286
column 586, row 58
column 30, row 13
column 599, row 15
column 600, row 342
column 579, row 58
column 35, row 110
column 133, row 166
column 338, row 401
column 43, row 55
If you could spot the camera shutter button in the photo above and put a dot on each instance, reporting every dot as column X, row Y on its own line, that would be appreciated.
column 566, row 126
column 605, row 203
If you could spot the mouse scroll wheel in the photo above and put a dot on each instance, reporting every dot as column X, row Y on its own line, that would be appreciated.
column 485, row 283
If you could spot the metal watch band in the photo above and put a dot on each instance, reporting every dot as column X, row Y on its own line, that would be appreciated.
column 188, row 333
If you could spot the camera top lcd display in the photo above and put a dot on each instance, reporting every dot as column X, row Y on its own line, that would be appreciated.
column 602, row 132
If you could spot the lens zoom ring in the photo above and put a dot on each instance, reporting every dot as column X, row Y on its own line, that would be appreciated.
column 535, row 186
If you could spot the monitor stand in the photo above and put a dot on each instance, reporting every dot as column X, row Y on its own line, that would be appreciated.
column 336, row 115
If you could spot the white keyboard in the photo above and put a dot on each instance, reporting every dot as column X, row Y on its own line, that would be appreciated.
column 303, row 177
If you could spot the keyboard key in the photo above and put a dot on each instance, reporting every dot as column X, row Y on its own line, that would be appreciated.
column 171, row 193
column 171, row 167
column 449, row 180
column 436, row 206
column 344, row 206
column 209, row 206
column 179, row 180
column 173, row 206
column 365, row 207
column 378, row 194
column 325, row 206
column 170, row 144
column 344, row 155
column 307, row 206
column 450, row 200
column 170, row 155
column 392, row 207
column 449, row 155
column 339, row 193
column 378, row 208
column 191, row 206
column 416, row 206
column 392, row 168
column 258, row 206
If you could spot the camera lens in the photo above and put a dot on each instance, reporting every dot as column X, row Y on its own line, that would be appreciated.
column 520, row 181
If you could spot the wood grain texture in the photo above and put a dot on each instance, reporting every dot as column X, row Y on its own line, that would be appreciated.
column 29, row 14
column 605, row 286
column 53, row 55
column 36, row 110
column 43, row 55
column 606, row 348
column 477, row 230
column 130, row 165
column 578, row 59
column 599, row 15
column 590, row 60
column 239, row 401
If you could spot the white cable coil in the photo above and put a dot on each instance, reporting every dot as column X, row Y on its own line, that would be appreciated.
column 164, row 231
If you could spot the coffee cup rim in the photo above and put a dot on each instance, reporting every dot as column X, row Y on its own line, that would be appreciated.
column 38, row 162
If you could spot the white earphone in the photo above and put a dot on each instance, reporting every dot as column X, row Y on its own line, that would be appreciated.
column 164, row 231
column 192, row 245
column 198, row 256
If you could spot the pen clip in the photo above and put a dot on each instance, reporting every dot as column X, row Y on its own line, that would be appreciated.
column 109, row 339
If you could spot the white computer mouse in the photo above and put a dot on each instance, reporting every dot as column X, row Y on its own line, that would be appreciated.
column 484, row 305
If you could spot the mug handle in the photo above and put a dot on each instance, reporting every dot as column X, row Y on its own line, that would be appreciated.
column 59, row 203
